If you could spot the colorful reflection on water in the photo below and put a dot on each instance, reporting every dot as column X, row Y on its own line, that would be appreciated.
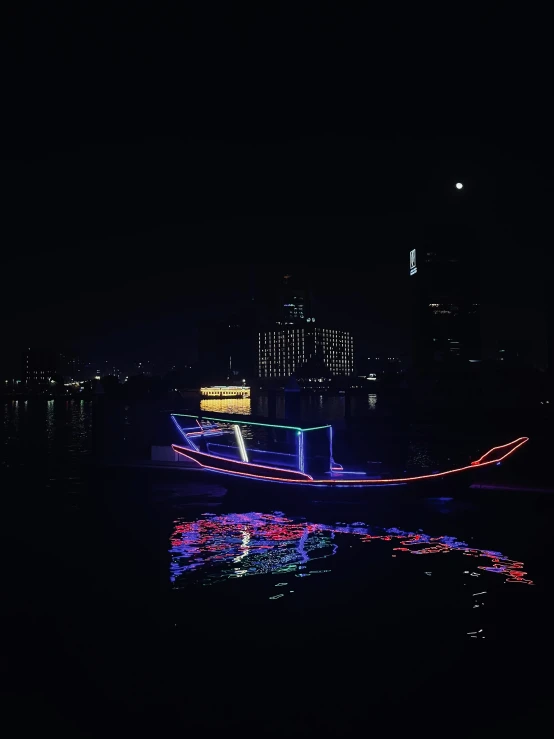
column 215, row 548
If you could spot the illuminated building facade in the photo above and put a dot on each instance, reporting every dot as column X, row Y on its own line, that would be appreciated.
column 293, row 344
column 282, row 350
column 444, row 281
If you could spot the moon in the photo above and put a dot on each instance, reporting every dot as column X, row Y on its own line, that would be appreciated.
column 459, row 185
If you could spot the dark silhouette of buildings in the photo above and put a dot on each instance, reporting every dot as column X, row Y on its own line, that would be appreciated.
column 42, row 365
column 295, row 303
column 226, row 351
column 69, row 366
column 444, row 282
column 39, row 365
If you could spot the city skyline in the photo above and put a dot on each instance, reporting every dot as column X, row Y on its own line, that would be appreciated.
column 115, row 289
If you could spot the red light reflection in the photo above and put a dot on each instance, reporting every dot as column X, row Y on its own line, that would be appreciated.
column 258, row 543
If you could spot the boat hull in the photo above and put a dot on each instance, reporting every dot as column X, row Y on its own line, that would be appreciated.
column 242, row 469
column 261, row 473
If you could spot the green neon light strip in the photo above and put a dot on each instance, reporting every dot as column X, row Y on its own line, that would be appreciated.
column 251, row 423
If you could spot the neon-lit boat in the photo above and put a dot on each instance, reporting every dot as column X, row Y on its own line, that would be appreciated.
column 272, row 452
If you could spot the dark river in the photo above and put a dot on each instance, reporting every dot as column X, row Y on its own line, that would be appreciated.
column 143, row 600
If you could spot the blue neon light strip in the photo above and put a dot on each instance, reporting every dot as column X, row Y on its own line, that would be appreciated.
column 263, row 451
column 275, row 454
column 183, row 434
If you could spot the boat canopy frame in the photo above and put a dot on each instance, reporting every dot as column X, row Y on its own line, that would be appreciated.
column 205, row 425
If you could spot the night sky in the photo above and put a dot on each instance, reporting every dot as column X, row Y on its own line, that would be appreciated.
column 116, row 244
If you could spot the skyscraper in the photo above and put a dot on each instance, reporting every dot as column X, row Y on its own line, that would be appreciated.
column 294, row 341
column 295, row 305
column 444, row 281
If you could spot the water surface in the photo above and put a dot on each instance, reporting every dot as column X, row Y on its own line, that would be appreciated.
column 167, row 603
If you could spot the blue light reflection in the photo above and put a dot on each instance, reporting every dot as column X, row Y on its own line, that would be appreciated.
column 234, row 545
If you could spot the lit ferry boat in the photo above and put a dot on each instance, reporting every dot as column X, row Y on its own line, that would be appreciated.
column 225, row 391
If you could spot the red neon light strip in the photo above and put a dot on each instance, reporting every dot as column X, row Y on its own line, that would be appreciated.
column 247, row 464
column 245, row 474
column 522, row 440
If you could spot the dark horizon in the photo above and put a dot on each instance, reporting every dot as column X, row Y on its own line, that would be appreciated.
column 97, row 283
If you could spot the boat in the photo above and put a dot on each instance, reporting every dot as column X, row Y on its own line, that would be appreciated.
column 225, row 391
column 295, row 455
